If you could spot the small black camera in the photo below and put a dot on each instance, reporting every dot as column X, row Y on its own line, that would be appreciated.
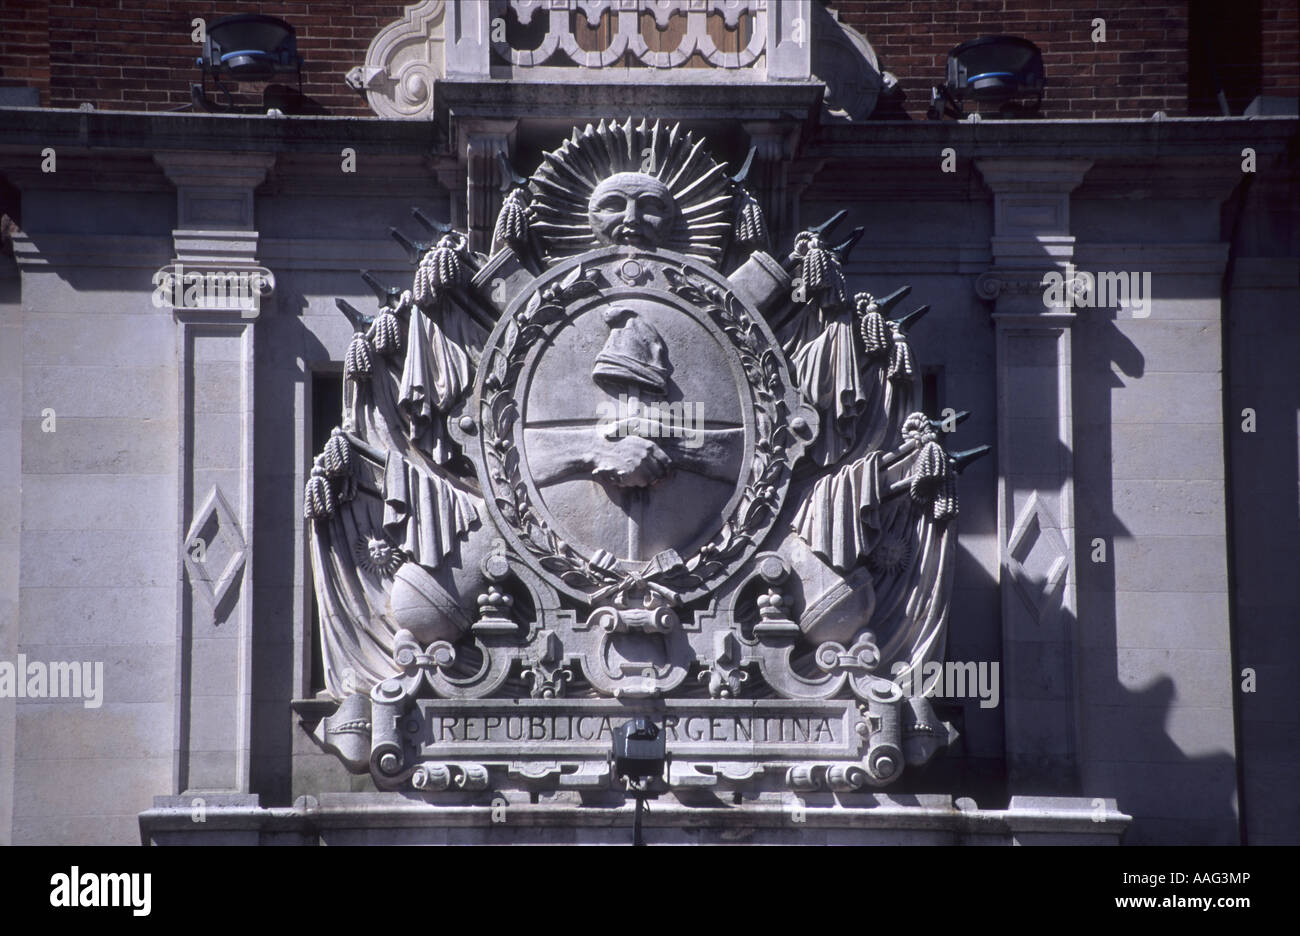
column 638, row 749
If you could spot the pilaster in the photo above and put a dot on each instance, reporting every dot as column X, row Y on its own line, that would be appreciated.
column 215, row 287
column 479, row 140
column 1031, row 237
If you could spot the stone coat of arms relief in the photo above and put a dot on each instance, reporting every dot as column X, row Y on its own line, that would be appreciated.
column 634, row 460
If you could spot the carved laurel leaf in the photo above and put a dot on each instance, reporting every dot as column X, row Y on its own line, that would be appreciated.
column 534, row 303
column 497, row 372
column 545, row 315
column 507, row 510
column 771, row 368
column 571, row 277
column 509, row 339
column 527, row 335
column 751, row 512
column 504, row 412
column 510, row 465
column 578, row 290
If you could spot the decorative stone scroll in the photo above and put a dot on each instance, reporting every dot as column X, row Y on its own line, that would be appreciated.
column 743, row 42
column 745, row 21
column 403, row 62
column 631, row 461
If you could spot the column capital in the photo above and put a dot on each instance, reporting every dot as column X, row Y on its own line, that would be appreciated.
column 471, row 130
column 784, row 132
column 214, row 190
column 1031, row 231
column 1031, row 198
column 215, row 167
column 1033, row 175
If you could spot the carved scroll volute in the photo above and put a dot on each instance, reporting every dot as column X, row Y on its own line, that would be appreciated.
column 389, row 702
column 403, row 63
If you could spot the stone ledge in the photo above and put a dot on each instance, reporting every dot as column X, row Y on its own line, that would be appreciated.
column 681, row 96
column 866, row 819
column 32, row 128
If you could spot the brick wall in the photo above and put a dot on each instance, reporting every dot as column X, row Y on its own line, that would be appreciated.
column 138, row 55
column 25, row 46
column 1139, row 69
column 1280, row 47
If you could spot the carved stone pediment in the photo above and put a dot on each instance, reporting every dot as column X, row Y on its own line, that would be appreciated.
column 629, row 461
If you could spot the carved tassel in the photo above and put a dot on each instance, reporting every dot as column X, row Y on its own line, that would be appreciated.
column 512, row 221
column 751, row 227
column 318, row 502
column 386, row 333
column 816, row 262
column 337, row 455
column 932, row 462
column 918, row 428
column 929, row 471
column 445, row 268
column 821, row 273
column 944, row 506
column 358, row 363
column 901, row 365
column 837, row 291
column 875, row 332
column 423, row 292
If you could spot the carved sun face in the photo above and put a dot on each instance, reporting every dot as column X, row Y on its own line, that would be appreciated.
column 377, row 555
column 632, row 208
column 890, row 556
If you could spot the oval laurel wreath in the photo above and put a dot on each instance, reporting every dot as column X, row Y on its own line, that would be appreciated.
column 760, row 499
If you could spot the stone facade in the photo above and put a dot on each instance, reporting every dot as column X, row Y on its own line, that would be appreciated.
column 1119, row 556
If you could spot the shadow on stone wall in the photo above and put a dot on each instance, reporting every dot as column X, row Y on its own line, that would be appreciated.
column 1127, row 700
column 1263, row 350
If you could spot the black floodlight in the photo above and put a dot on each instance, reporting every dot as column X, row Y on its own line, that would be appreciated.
column 1003, row 72
column 247, row 47
column 251, row 47
column 638, row 750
